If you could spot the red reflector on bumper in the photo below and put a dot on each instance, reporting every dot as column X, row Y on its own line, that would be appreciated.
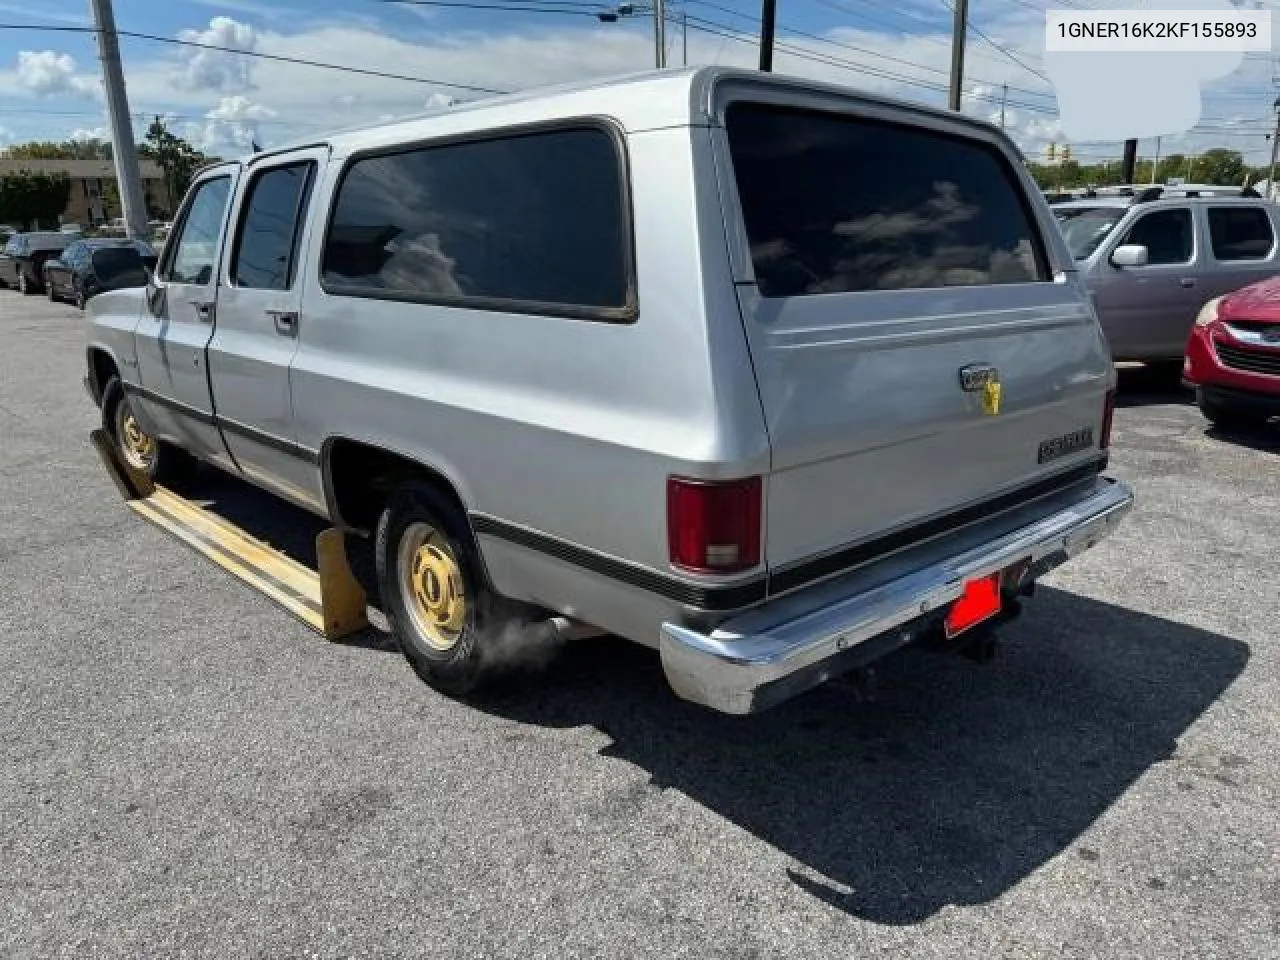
column 980, row 601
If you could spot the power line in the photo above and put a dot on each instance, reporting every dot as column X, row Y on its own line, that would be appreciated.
column 259, row 55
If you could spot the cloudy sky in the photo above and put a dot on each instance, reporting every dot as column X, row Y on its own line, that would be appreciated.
column 49, row 82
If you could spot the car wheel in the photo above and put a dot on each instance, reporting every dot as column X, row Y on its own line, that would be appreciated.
column 442, row 611
column 138, row 452
column 1225, row 415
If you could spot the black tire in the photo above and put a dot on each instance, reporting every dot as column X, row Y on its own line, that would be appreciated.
column 464, row 666
column 168, row 465
column 1227, row 416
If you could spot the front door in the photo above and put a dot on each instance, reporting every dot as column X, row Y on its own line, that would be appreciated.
column 179, row 319
column 259, row 314
column 1148, row 310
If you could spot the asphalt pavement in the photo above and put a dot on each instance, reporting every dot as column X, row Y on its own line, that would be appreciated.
column 187, row 771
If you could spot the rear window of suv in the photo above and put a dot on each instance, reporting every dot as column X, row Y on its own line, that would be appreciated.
column 1240, row 233
column 532, row 222
column 833, row 203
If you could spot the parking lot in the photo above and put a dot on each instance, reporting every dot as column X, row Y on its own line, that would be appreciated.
column 189, row 772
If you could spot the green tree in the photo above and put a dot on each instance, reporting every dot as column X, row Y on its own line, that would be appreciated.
column 91, row 149
column 175, row 156
column 33, row 198
column 1220, row 166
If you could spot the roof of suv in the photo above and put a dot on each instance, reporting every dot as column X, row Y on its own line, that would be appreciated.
column 1121, row 203
column 649, row 100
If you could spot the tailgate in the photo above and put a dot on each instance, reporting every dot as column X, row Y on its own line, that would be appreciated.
column 897, row 276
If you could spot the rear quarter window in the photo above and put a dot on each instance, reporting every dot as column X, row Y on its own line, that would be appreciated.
column 531, row 222
column 1240, row 233
column 833, row 203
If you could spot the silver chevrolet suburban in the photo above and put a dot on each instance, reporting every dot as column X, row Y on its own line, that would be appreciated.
column 769, row 375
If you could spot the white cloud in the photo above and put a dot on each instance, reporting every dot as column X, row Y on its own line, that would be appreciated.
column 233, row 126
column 90, row 133
column 47, row 73
column 217, row 70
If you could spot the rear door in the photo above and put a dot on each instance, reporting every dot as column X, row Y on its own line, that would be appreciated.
column 1149, row 309
column 885, row 271
column 179, row 317
column 1242, row 247
column 259, row 314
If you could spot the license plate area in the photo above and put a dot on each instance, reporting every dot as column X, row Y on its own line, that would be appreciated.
column 980, row 602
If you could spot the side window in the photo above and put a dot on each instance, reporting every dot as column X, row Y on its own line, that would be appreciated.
column 1240, row 233
column 834, row 204
column 1167, row 235
column 196, row 248
column 535, row 220
column 267, row 243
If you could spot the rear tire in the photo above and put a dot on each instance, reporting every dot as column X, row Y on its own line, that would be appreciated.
column 1227, row 416
column 445, row 616
column 138, row 452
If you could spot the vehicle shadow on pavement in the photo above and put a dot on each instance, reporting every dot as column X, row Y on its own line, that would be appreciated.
column 1264, row 438
column 1145, row 386
column 951, row 786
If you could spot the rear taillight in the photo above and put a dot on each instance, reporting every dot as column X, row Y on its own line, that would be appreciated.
column 1108, row 413
column 714, row 526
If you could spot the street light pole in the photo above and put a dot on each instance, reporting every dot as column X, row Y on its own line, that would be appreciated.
column 1004, row 95
column 1156, row 162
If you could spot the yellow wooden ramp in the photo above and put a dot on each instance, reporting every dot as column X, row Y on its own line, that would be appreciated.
column 329, row 599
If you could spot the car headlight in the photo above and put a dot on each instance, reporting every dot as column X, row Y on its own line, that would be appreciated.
column 1208, row 313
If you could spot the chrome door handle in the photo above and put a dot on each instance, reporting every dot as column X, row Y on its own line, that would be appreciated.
column 285, row 320
column 204, row 310
column 1188, row 281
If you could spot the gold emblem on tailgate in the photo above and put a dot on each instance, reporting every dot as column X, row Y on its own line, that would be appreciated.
column 984, row 380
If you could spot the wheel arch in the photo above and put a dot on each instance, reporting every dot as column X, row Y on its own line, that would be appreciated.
column 358, row 476
column 102, row 367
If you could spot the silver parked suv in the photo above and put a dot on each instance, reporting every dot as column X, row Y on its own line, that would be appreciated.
column 666, row 355
column 1154, row 259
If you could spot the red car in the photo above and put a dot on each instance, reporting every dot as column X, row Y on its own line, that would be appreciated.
column 1233, row 355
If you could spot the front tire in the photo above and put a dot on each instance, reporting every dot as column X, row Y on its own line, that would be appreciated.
column 434, row 591
column 137, row 451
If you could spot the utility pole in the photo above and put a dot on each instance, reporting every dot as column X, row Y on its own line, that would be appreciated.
column 123, row 148
column 1275, row 142
column 1129, row 162
column 958, row 31
column 660, row 31
column 1004, row 95
column 1156, row 162
column 768, row 14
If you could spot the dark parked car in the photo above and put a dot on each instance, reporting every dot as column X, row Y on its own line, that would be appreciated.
column 88, row 267
column 23, row 257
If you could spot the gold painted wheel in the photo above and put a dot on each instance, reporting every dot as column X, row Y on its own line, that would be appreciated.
column 136, row 446
column 431, row 586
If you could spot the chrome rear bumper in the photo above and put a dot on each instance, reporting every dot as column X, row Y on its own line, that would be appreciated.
column 762, row 657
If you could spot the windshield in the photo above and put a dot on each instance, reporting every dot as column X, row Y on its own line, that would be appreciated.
column 1086, row 227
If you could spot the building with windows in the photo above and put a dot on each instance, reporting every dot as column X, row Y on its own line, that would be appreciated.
column 94, row 198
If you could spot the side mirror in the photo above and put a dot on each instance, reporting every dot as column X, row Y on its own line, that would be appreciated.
column 1129, row 255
